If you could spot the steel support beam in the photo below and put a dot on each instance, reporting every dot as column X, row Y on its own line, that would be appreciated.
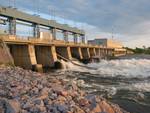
column 75, row 38
column 12, row 26
column 19, row 15
column 36, row 31
column 83, row 38
column 65, row 36
column 54, row 30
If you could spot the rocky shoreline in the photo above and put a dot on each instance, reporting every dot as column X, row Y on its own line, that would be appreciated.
column 23, row 91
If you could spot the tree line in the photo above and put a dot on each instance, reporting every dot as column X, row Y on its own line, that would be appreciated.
column 137, row 50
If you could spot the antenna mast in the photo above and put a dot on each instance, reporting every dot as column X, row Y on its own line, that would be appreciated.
column 113, row 32
column 38, row 8
column 12, row 3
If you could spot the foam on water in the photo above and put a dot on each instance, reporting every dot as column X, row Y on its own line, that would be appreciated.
column 125, row 68
column 70, row 66
column 142, row 87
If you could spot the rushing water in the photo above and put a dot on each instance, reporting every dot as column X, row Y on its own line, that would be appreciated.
column 125, row 82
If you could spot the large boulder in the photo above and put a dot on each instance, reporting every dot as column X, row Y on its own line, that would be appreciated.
column 10, row 106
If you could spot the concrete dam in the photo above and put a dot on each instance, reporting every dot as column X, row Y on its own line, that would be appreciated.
column 43, row 48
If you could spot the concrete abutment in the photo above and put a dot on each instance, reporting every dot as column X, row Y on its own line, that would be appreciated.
column 5, row 56
column 21, row 55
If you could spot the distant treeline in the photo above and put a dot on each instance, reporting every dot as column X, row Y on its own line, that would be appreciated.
column 137, row 50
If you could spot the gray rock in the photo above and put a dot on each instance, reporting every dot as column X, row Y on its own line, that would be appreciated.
column 51, row 109
column 37, row 101
column 12, row 106
column 2, row 109
column 27, row 106
column 43, row 93
column 52, row 96
column 62, row 108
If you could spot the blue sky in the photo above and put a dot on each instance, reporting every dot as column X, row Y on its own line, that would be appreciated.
column 130, row 20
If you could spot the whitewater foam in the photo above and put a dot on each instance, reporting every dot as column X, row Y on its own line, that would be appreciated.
column 72, row 67
column 142, row 87
column 126, row 79
column 125, row 68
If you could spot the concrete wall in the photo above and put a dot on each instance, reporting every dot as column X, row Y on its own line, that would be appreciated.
column 76, row 53
column 120, row 52
column 46, row 55
column 92, row 52
column 110, row 52
column 64, row 52
column 102, row 52
column 114, row 43
column 21, row 56
column 85, row 53
column 97, row 51
column 106, row 42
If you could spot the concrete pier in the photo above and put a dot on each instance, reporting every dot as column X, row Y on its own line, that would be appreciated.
column 5, row 56
column 32, row 55
column 54, row 55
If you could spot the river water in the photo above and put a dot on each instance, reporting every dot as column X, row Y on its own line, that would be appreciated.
column 124, row 81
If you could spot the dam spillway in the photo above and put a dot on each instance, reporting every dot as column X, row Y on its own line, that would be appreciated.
column 41, row 49
column 29, row 53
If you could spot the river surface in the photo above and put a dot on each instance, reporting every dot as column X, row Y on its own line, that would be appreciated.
column 124, row 81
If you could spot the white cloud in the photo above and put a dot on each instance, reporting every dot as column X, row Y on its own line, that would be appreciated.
column 133, row 41
column 129, row 18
